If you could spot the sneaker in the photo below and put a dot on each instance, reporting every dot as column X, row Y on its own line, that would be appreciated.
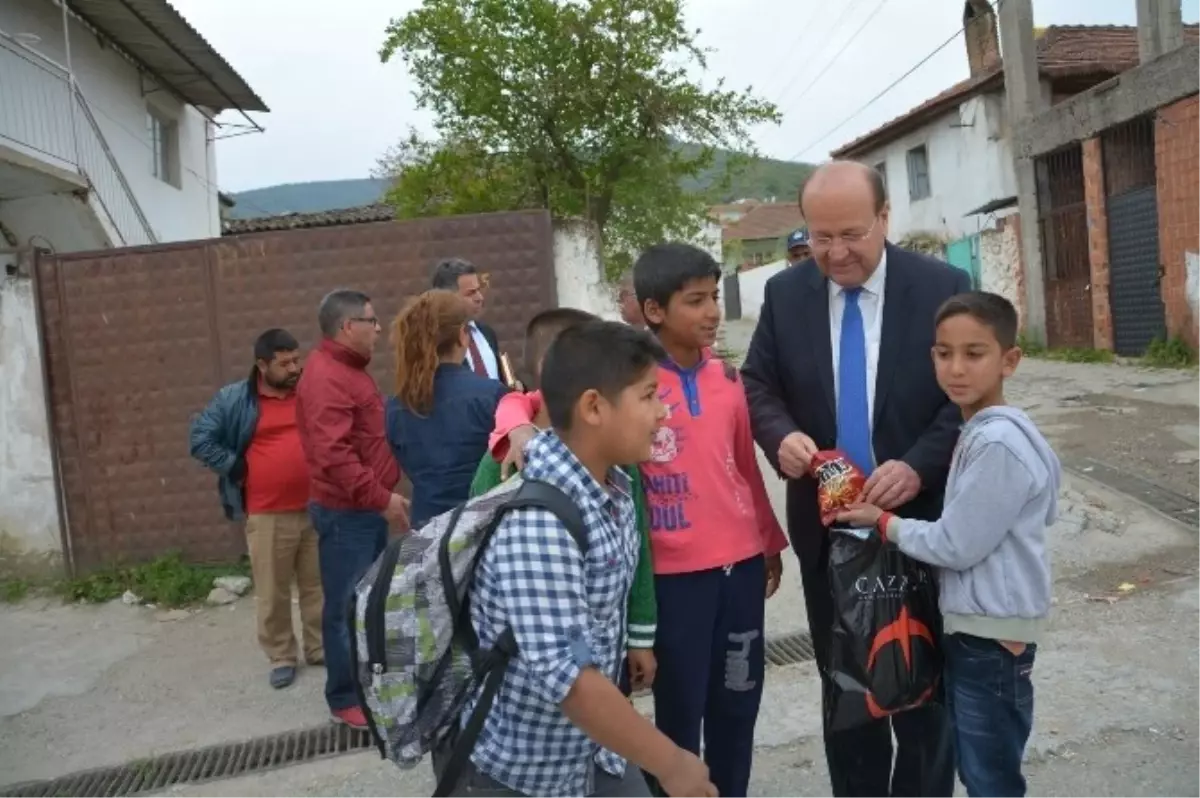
column 350, row 716
column 282, row 676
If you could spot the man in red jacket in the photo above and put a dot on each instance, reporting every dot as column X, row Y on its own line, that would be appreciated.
column 339, row 413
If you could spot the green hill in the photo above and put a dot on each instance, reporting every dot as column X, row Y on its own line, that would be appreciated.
column 763, row 179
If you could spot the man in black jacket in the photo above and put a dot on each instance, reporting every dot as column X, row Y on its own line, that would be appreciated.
column 483, row 354
column 841, row 358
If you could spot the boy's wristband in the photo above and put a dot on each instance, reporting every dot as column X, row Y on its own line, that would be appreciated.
column 882, row 524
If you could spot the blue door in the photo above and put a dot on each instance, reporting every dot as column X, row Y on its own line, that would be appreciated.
column 964, row 254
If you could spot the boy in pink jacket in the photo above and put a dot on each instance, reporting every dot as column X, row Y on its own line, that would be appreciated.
column 715, row 539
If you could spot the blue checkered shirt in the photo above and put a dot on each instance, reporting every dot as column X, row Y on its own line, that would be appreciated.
column 567, row 613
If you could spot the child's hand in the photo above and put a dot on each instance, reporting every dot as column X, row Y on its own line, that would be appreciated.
column 642, row 667
column 514, row 460
column 774, row 573
column 860, row 514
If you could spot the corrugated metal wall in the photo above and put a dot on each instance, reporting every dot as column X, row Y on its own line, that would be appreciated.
column 137, row 340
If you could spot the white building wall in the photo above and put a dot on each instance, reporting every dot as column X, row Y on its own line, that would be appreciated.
column 29, row 530
column 970, row 163
column 752, row 286
column 113, row 89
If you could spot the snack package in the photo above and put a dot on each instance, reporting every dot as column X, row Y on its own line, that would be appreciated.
column 839, row 482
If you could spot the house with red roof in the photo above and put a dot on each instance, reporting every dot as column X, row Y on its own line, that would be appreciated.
column 948, row 163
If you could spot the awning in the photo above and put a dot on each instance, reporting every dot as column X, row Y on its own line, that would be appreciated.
column 162, row 42
column 994, row 205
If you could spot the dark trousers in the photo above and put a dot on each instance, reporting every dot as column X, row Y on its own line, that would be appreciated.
column 475, row 782
column 861, row 759
column 989, row 692
column 348, row 541
column 709, row 647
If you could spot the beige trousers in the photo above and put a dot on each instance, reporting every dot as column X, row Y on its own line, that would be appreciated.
column 283, row 547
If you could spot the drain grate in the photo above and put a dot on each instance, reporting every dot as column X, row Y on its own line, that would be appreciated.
column 203, row 764
column 790, row 649
column 266, row 753
column 1168, row 502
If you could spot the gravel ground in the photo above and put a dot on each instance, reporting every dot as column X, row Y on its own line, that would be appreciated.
column 1116, row 678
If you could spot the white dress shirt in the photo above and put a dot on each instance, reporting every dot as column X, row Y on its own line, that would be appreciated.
column 870, row 303
column 490, row 364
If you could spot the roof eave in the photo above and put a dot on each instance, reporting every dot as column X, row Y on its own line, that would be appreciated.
column 909, row 122
column 225, row 88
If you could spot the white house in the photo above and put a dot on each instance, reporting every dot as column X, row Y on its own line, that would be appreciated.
column 948, row 163
column 107, row 112
column 107, row 128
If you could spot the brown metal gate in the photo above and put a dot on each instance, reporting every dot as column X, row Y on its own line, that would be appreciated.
column 1062, row 217
column 137, row 340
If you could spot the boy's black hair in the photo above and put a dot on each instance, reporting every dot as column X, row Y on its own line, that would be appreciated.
column 990, row 310
column 606, row 356
column 272, row 342
column 541, row 331
column 663, row 270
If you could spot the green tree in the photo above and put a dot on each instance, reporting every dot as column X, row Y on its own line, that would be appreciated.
column 571, row 106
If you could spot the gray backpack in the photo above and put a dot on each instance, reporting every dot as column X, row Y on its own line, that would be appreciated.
column 414, row 651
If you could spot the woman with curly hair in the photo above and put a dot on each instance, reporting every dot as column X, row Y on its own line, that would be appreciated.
column 440, row 418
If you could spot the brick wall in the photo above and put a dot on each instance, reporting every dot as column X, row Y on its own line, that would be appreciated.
column 1097, row 225
column 1177, row 158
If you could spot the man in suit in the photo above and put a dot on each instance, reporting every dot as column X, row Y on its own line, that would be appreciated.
column 483, row 352
column 841, row 358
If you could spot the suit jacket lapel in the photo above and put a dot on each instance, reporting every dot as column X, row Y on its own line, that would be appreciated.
column 817, row 314
column 895, row 323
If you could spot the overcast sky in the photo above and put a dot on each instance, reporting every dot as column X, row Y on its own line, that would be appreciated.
column 335, row 107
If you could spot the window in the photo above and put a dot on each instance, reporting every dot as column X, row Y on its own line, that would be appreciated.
column 163, row 146
column 918, row 173
column 881, row 168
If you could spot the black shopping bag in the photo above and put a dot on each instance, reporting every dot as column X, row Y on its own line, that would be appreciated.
column 885, row 656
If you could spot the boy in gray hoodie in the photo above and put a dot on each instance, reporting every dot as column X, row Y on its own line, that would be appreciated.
column 989, row 546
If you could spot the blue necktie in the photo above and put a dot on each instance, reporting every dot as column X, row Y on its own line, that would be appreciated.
column 853, row 413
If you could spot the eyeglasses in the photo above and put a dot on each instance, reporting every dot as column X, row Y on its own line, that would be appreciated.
column 372, row 320
column 824, row 242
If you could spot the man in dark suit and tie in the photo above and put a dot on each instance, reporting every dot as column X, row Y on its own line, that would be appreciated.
column 462, row 277
column 841, row 358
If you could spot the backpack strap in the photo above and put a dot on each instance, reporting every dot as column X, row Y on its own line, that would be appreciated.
column 537, row 494
column 494, row 665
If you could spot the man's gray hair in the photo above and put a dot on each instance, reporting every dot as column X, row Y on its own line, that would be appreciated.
column 447, row 272
column 337, row 307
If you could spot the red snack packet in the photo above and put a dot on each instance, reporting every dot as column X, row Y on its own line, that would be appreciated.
column 839, row 482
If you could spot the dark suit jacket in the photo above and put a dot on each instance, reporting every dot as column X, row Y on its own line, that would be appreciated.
column 789, row 382
column 489, row 335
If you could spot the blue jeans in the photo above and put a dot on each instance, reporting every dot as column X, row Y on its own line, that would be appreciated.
column 348, row 542
column 989, row 692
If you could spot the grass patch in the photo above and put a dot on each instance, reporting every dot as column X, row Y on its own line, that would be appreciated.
column 167, row 582
column 1069, row 355
column 13, row 591
column 1170, row 353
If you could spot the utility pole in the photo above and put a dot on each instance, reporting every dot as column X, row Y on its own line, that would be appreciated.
column 1019, row 52
column 1160, row 28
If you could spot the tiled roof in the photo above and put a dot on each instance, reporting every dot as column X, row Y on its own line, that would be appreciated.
column 1064, row 51
column 297, row 221
column 772, row 220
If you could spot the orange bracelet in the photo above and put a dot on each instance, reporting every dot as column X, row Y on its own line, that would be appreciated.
column 882, row 524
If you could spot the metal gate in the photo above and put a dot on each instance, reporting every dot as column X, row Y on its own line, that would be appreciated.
column 137, row 340
column 732, row 290
column 1135, row 268
column 1062, row 217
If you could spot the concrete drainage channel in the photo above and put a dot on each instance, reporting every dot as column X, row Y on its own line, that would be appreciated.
column 230, row 760
column 1171, row 503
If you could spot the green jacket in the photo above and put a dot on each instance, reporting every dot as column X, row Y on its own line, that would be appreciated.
column 643, row 607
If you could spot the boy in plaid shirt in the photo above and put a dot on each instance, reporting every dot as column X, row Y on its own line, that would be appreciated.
column 559, row 724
